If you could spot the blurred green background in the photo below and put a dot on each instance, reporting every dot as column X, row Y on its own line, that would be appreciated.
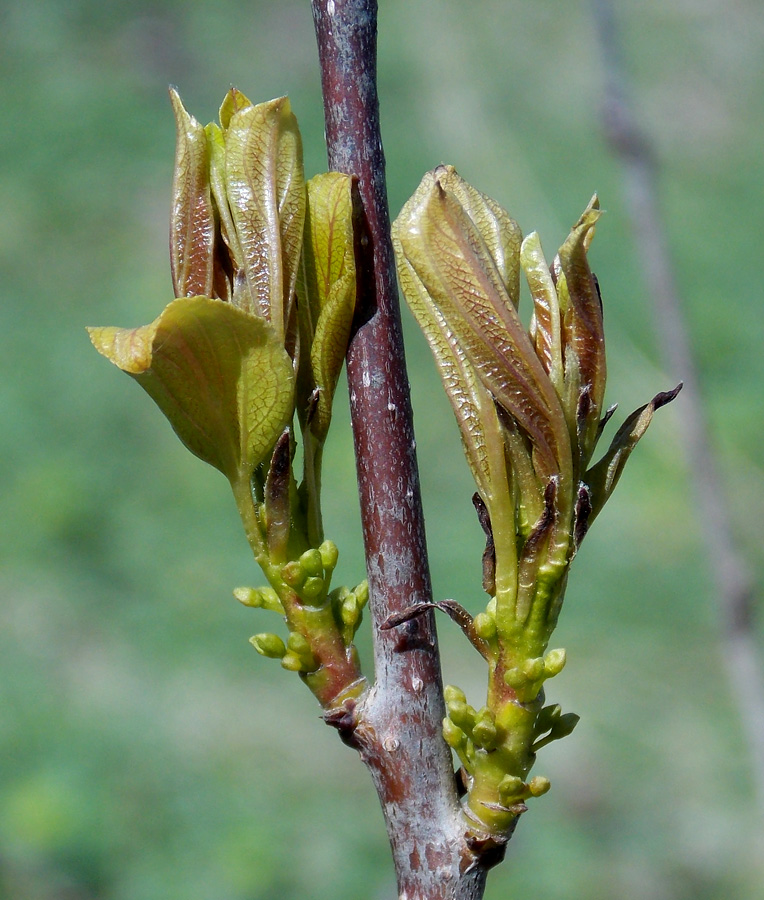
column 146, row 751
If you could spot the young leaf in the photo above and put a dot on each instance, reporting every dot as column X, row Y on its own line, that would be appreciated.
column 545, row 325
column 603, row 477
column 265, row 190
column 328, row 290
column 192, row 223
column 445, row 249
column 220, row 376
column 583, row 335
column 500, row 232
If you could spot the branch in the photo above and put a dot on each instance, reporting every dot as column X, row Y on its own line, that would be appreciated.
column 730, row 571
column 398, row 728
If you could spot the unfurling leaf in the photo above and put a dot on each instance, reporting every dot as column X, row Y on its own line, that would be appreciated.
column 222, row 378
column 603, row 477
column 327, row 291
column 583, row 335
column 192, row 221
column 449, row 256
column 265, row 192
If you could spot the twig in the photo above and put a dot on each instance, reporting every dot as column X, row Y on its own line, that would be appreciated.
column 398, row 730
column 731, row 574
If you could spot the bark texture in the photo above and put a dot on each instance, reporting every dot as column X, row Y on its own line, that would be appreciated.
column 397, row 726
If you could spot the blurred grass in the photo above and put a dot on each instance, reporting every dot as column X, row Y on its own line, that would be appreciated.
column 147, row 752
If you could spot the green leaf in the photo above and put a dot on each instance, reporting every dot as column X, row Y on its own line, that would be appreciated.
column 582, row 330
column 221, row 376
column 502, row 235
column 192, row 223
column 265, row 190
column 603, row 477
column 445, row 249
column 328, row 289
column 545, row 325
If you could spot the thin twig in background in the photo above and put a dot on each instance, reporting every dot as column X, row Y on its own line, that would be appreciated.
column 732, row 577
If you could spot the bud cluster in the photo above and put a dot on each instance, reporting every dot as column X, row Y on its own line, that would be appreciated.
column 530, row 409
column 263, row 271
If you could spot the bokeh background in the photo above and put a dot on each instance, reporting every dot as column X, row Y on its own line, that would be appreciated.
column 146, row 751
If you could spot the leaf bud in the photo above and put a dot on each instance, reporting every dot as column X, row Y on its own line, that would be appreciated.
column 312, row 588
column 539, row 785
column 485, row 626
column 269, row 645
column 329, row 555
column 554, row 662
column 312, row 563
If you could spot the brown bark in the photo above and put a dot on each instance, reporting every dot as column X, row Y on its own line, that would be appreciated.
column 397, row 726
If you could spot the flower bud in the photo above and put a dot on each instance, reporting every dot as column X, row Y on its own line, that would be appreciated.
column 539, row 785
column 312, row 563
column 293, row 574
column 312, row 588
column 248, row 596
column 269, row 645
column 554, row 662
column 452, row 734
column 329, row 555
column 485, row 626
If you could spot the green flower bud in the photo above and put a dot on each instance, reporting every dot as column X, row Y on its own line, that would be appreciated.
column 554, row 662
column 539, row 785
column 462, row 714
column 297, row 643
column 451, row 693
column 349, row 611
column 485, row 626
column 248, row 596
column 329, row 555
column 452, row 734
column 293, row 574
column 292, row 663
column 533, row 669
column 511, row 788
column 312, row 588
column 361, row 592
column 269, row 645
column 312, row 563
column 515, row 678
column 484, row 733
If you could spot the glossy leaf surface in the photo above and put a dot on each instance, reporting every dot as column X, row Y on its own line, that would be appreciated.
column 192, row 223
column 328, row 288
column 265, row 192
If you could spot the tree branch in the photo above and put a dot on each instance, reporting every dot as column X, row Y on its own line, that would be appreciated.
column 398, row 727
